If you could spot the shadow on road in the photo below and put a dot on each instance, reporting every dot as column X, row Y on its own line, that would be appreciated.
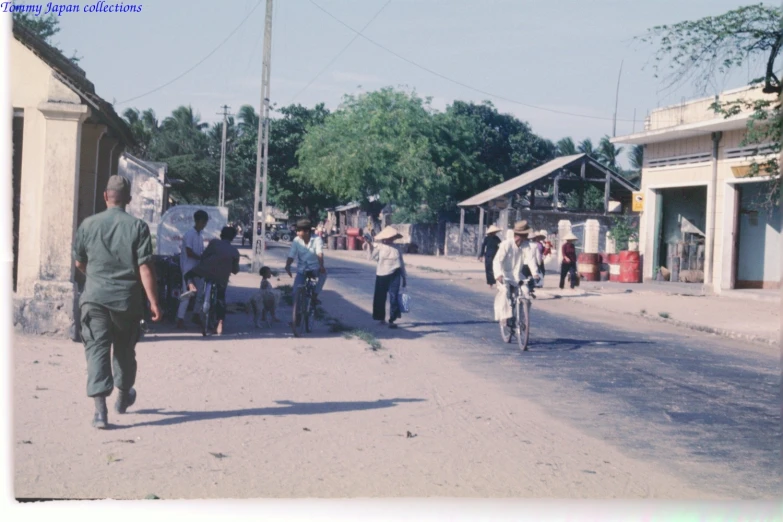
column 286, row 408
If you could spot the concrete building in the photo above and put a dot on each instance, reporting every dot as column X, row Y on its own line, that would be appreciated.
column 696, row 191
column 67, row 141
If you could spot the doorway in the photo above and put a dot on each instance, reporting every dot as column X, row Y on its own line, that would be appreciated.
column 758, row 238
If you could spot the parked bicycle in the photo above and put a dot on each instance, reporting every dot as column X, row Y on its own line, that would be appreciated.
column 304, row 305
column 519, row 323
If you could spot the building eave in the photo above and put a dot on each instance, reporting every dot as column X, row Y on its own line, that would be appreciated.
column 687, row 130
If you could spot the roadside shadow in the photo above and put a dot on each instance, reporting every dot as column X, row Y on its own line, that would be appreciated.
column 286, row 408
column 542, row 346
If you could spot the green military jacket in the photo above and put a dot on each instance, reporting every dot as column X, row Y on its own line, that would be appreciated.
column 113, row 245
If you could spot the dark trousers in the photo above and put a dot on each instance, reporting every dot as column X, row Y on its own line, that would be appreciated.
column 542, row 269
column 489, row 271
column 220, row 305
column 566, row 268
column 102, row 328
column 388, row 284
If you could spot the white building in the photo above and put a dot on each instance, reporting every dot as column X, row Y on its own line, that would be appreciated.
column 696, row 190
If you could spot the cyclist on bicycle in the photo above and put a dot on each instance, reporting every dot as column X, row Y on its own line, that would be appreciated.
column 308, row 251
column 515, row 260
column 219, row 260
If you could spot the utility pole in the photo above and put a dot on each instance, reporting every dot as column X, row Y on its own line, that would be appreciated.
column 616, row 100
column 263, row 143
column 222, row 189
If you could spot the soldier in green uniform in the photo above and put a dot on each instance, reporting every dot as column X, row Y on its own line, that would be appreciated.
column 114, row 250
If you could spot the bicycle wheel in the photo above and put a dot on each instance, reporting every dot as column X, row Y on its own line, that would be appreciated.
column 307, row 313
column 298, row 313
column 523, row 323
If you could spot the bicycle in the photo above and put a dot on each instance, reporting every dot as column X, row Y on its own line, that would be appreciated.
column 208, row 314
column 304, row 305
column 519, row 323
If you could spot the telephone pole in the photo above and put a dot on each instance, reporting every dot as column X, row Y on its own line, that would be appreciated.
column 616, row 100
column 222, row 189
column 263, row 143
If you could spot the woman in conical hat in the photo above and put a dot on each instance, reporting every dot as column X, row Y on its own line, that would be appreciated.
column 389, row 274
column 488, row 250
column 568, row 265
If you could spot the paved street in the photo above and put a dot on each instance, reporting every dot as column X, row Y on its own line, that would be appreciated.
column 707, row 407
column 444, row 408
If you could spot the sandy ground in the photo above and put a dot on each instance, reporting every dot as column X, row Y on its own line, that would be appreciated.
column 254, row 415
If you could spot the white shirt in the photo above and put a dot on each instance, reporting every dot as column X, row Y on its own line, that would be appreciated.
column 510, row 259
column 306, row 255
column 194, row 241
column 389, row 259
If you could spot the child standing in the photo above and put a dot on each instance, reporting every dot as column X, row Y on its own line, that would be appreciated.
column 266, row 300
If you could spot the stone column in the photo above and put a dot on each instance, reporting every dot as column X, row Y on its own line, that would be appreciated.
column 88, row 172
column 592, row 231
column 52, row 308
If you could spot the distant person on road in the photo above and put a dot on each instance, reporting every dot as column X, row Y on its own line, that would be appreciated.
column 190, row 254
column 114, row 251
column 488, row 250
column 568, row 264
column 308, row 252
column 219, row 261
column 389, row 273
column 538, row 240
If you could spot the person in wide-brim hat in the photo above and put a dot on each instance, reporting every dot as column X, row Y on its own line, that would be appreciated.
column 388, row 234
column 568, row 264
column 389, row 276
column 489, row 248
column 521, row 228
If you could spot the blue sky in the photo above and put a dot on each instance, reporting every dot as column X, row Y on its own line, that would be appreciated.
column 561, row 54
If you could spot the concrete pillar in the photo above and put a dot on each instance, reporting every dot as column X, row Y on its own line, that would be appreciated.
column 592, row 231
column 60, row 188
column 563, row 228
column 105, row 152
column 88, row 171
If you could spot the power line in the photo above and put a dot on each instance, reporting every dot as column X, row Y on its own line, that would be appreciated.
column 340, row 53
column 200, row 61
column 457, row 82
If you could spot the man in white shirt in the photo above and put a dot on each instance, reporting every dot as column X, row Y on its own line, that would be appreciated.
column 516, row 258
column 189, row 257
column 308, row 251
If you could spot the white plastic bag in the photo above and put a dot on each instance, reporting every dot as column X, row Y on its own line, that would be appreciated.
column 405, row 302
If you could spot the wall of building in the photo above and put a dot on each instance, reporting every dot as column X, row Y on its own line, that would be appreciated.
column 146, row 192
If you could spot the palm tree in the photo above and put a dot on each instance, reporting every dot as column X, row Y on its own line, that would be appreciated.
column 636, row 157
column 144, row 128
column 586, row 147
column 566, row 147
column 248, row 119
column 182, row 133
column 608, row 153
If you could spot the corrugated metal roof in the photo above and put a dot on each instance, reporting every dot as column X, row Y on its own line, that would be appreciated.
column 522, row 180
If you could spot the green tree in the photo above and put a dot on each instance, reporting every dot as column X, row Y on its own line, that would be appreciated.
column 144, row 127
column 608, row 153
column 586, row 147
column 566, row 147
column 696, row 52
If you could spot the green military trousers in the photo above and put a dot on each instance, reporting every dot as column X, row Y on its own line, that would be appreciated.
column 102, row 328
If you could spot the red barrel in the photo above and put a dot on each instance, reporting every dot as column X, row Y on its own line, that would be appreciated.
column 630, row 267
column 350, row 243
column 353, row 232
column 340, row 242
column 614, row 267
column 589, row 266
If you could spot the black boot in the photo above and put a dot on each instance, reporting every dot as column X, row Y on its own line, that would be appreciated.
column 101, row 418
column 125, row 399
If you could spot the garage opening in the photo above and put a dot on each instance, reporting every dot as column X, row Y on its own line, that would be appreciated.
column 681, row 217
column 758, row 249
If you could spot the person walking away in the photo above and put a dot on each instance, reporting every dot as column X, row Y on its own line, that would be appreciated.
column 389, row 273
column 308, row 251
column 515, row 260
column 114, row 251
column 219, row 261
column 568, row 265
column 190, row 254
column 488, row 250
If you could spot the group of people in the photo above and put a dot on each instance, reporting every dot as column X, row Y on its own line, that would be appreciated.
column 537, row 246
